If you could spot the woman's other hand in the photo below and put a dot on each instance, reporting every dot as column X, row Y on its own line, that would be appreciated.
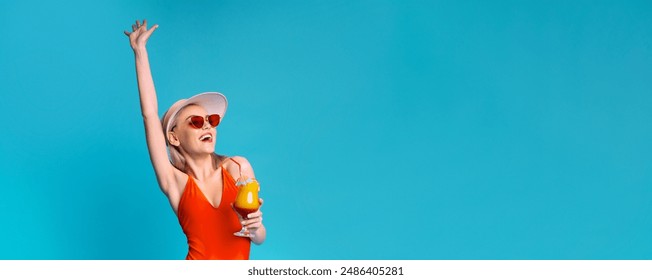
column 254, row 220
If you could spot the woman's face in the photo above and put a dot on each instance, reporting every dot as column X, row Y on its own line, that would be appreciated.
column 194, row 140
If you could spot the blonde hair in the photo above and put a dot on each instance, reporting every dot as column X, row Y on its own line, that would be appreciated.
column 176, row 158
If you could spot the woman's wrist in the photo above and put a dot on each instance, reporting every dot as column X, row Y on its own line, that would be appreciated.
column 258, row 235
column 139, row 50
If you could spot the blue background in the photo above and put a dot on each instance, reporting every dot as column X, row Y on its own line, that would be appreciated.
column 378, row 129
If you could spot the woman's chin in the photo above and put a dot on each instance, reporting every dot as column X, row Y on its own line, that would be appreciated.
column 209, row 150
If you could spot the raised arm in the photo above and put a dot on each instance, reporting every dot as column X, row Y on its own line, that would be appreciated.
column 149, row 107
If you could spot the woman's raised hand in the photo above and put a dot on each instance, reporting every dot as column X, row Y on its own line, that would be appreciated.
column 139, row 35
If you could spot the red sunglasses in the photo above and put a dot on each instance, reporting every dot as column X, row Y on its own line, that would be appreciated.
column 198, row 121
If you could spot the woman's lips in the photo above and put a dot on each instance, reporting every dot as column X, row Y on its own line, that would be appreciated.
column 207, row 137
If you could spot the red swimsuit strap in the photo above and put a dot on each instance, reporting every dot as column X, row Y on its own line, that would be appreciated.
column 239, row 167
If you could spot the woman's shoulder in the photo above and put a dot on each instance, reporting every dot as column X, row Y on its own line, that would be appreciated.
column 240, row 159
column 238, row 164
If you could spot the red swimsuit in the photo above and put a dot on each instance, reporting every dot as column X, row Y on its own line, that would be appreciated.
column 210, row 230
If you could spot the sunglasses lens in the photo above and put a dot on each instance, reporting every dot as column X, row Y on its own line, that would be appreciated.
column 197, row 121
column 214, row 120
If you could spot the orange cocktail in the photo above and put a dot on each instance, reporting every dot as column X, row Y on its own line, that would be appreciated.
column 246, row 201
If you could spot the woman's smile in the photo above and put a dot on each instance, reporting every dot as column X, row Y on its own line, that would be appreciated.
column 206, row 137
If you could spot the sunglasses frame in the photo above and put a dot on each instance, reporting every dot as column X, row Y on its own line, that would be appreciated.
column 194, row 120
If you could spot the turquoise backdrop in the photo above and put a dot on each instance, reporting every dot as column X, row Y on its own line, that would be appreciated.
column 378, row 129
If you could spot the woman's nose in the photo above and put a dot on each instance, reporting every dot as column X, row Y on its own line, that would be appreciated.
column 207, row 124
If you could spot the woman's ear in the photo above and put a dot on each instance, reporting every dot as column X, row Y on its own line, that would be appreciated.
column 173, row 139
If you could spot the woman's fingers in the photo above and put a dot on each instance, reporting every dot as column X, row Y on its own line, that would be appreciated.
column 253, row 218
column 138, row 25
column 253, row 227
column 149, row 32
column 256, row 214
column 252, row 223
column 127, row 33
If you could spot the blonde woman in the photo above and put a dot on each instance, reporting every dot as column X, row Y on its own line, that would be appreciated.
column 199, row 184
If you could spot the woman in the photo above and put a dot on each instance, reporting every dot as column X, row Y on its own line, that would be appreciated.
column 197, row 182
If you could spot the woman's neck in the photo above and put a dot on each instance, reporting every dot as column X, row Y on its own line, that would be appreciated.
column 200, row 167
